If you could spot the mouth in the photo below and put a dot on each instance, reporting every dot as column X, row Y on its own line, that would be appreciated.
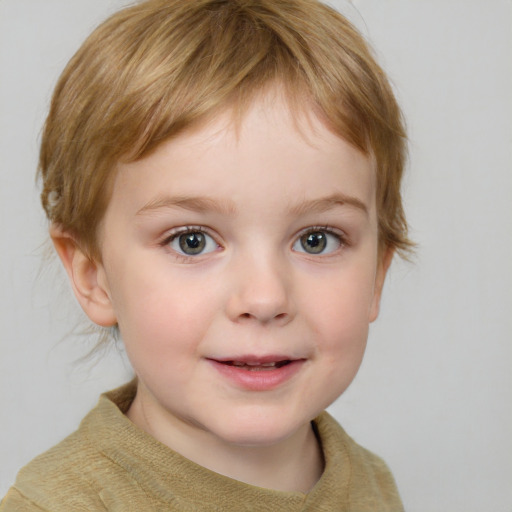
column 257, row 366
column 255, row 373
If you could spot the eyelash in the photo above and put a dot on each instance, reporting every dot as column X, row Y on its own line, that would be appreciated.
column 183, row 231
column 339, row 235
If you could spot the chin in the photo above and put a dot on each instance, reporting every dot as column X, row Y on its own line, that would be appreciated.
column 258, row 430
column 256, row 438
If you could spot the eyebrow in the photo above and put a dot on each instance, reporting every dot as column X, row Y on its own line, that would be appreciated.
column 227, row 207
column 327, row 203
column 195, row 204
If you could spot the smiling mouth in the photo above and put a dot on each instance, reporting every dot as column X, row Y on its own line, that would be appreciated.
column 257, row 366
column 258, row 373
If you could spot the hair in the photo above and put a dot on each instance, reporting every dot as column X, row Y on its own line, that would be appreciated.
column 154, row 69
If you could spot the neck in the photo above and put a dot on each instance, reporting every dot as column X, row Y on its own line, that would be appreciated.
column 294, row 464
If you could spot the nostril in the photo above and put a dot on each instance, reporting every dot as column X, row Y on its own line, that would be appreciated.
column 278, row 317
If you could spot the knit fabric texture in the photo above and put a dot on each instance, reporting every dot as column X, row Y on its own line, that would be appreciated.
column 110, row 464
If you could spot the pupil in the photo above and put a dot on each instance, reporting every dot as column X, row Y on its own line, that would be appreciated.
column 192, row 243
column 314, row 243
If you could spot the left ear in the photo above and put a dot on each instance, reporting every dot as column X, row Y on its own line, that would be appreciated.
column 385, row 259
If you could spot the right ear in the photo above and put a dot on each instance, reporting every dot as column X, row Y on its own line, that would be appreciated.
column 86, row 276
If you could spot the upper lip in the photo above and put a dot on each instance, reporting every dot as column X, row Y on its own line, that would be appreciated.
column 255, row 359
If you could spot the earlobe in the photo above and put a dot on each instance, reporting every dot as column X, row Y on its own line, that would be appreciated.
column 380, row 276
column 87, row 278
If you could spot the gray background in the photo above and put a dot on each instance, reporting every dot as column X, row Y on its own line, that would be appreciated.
column 434, row 394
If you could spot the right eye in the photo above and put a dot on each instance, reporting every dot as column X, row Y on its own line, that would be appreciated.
column 192, row 243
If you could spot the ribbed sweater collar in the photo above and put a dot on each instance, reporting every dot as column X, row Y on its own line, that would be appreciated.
column 174, row 479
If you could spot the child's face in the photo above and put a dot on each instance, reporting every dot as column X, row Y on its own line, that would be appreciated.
column 243, row 272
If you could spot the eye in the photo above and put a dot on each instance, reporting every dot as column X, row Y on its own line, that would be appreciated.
column 318, row 242
column 192, row 243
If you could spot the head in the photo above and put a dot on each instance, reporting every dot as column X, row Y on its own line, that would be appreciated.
column 228, row 172
column 156, row 69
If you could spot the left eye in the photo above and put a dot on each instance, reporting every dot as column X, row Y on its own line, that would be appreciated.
column 317, row 242
column 193, row 243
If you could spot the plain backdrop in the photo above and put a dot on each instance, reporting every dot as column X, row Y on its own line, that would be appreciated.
column 434, row 394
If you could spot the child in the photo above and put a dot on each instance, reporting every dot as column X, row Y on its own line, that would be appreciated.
column 222, row 179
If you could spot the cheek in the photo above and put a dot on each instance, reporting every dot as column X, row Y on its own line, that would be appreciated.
column 339, row 315
column 161, row 315
column 343, row 342
column 340, row 307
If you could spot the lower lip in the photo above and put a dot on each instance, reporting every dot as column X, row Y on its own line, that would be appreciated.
column 258, row 380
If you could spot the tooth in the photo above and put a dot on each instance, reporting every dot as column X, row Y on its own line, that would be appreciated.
column 255, row 364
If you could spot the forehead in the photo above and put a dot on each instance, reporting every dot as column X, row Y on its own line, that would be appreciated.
column 269, row 154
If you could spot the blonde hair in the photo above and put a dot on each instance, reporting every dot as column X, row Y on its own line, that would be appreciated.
column 154, row 69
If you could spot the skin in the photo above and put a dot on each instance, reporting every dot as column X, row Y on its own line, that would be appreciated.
column 255, row 291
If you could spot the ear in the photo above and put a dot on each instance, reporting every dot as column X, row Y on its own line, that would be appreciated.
column 383, row 264
column 87, row 278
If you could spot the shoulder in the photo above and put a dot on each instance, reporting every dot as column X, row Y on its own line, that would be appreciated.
column 59, row 479
column 74, row 475
column 15, row 501
column 369, row 482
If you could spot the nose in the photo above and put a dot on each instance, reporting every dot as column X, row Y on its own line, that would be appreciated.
column 261, row 292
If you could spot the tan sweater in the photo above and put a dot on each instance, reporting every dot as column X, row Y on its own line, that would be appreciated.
column 110, row 464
